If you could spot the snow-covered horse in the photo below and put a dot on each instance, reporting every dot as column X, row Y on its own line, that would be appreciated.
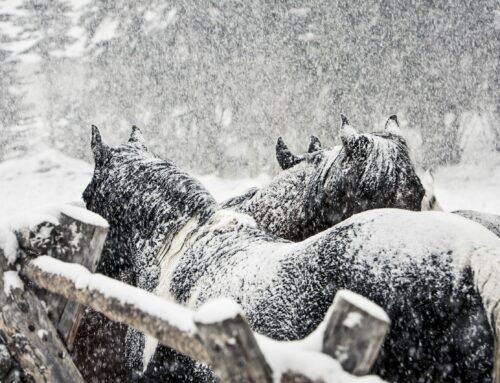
column 429, row 201
column 434, row 273
column 324, row 187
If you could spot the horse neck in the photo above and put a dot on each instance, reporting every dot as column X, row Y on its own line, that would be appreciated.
column 279, row 207
column 322, row 186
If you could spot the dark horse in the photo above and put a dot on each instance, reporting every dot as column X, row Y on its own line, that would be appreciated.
column 434, row 273
column 324, row 187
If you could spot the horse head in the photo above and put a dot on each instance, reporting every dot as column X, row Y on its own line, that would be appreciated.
column 145, row 199
column 322, row 187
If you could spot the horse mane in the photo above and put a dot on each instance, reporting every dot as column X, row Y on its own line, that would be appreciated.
column 386, row 156
column 147, row 201
column 390, row 173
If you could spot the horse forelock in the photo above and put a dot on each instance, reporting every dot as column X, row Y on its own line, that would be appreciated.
column 381, row 157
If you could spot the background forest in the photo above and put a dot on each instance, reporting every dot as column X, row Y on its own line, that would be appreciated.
column 214, row 83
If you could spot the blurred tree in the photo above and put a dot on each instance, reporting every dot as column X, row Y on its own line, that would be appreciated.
column 216, row 82
column 12, row 105
column 44, row 26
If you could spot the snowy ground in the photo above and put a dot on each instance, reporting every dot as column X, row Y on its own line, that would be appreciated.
column 49, row 178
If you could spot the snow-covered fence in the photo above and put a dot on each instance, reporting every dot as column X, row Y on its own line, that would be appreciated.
column 355, row 332
column 57, row 251
column 29, row 340
column 218, row 334
column 31, row 344
column 36, row 327
column 77, row 236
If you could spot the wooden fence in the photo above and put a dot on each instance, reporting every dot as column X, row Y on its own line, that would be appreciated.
column 38, row 323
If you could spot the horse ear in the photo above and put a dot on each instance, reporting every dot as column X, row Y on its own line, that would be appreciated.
column 314, row 145
column 286, row 159
column 136, row 138
column 96, row 141
column 100, row 149
column 392, row 125
column 348, row 134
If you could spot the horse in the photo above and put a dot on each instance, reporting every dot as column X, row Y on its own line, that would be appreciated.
column 323, row 187
column 430, row 201
column 433, row 273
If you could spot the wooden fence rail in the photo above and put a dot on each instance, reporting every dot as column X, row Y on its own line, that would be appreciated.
column 226, row 344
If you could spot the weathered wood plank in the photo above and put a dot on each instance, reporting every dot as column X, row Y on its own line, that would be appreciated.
column 72, row 240
column 6, row 361
column 215, row 343
column 32, row 339
column 150, row 324
column 89, row 240
column 355, row 332
column 234, row 353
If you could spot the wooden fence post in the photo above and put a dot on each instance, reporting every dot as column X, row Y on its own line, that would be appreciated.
column 225, row 343
column 355, row 332
column 234, row 353
column 72, row 240
column 30, row 336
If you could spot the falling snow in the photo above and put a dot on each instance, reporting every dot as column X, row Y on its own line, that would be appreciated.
column 239, row 213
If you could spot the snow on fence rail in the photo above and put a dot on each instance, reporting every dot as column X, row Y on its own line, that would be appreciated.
column 352, row 331
column 225, row 342
column 76, row 235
